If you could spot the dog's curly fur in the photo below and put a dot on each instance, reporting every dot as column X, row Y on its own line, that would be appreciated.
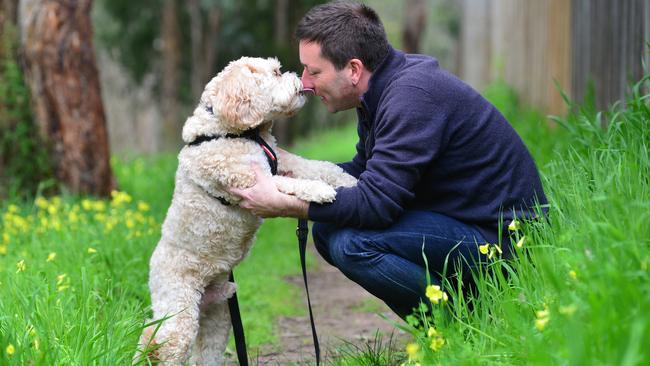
column 203, row 239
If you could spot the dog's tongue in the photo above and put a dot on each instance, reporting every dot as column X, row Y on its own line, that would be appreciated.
column 307, row 91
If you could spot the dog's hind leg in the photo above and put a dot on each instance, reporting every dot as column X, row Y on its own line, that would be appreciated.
column 212, row 339
column 176, row 291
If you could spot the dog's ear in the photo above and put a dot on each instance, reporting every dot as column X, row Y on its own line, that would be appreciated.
column 238, row 99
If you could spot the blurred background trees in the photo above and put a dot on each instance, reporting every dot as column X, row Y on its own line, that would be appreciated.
column 154, row 57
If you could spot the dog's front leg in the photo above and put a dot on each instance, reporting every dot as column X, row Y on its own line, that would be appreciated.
column 299, row 167
column 306, row 190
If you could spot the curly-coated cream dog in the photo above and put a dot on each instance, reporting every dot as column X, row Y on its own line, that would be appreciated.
column 205, row 233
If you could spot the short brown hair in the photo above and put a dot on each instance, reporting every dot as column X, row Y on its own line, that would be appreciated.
column 345, row 30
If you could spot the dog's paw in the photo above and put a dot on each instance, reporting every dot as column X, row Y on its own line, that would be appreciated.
column 345, row 180
column 148, row 349
column 318, row 192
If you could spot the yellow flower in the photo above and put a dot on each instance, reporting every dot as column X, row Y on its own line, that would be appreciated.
column 514, row 225
column 62, row 282
column 73, row 217
column 10, row 349
column 87, row 204
column 573, row 274
column 12, row 208
column 21, row 267
column 52, row 210
column 99, row 206
column 412, row 349
column 542, row 313
column 5, row 238
column 437, row 343
column 100, row 217
column 41, row 203
column 432, row 332
column 435, row 294
column 120, row 198
column 540, row 324
column 568, row 310
column 520, row 242
column 51, row 257
column 3, row 249
column 543, row 317
column 484, row 249
column 92, row 250
column 36, row 344
column 143, row 206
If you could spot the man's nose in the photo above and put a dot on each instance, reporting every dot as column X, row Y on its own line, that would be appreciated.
column 306, row 80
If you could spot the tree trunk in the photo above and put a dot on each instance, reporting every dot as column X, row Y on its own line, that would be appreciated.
column 210, row 45
column 204, row 46
column 61, row 71
column 170, row 74
column 196, row 34
column 280, row 35
column 415, row 18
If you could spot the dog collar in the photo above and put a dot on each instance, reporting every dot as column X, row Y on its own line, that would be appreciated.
column 252, row 134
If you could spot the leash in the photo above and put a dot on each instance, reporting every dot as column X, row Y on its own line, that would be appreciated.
column 237, row 326
column 302, row 231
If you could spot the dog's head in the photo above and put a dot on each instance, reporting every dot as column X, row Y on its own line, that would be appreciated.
column 246, row 93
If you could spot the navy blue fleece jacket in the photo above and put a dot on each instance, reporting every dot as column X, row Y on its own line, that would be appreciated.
column 429, row 141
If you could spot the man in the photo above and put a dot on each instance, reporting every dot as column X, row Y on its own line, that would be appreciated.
column 440, row 170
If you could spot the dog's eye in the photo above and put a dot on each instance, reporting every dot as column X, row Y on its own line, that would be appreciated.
column 277, row 72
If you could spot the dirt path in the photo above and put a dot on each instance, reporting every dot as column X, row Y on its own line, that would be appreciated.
column 343, row 312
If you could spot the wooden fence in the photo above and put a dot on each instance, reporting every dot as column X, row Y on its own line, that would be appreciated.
column 534, row 44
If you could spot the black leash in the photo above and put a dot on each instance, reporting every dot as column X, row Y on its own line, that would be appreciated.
column 237, row 326
column 302, row 231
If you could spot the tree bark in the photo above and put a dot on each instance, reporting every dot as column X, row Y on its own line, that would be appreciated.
column 61, row 71
column 415, row 17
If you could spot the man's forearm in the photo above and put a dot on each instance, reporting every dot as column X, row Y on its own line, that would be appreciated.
column 295, row 207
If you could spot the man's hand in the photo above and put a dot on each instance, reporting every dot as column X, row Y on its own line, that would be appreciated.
column 265, row 200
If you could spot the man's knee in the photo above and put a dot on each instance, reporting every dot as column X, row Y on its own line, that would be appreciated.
column 342, row 247
column 322, row 234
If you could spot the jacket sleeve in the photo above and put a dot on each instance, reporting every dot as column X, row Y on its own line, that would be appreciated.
column 358, row 163
column 409, row 129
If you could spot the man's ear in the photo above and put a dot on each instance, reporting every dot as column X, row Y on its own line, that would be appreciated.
column 356, row 70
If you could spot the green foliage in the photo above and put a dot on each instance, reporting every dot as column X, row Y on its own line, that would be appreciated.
column 23, row 159
column 130, row 31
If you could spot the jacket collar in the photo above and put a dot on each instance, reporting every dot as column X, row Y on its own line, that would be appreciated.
column 380, row 78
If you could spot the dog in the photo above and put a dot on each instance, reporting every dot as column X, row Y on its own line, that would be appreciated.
column 205, row 233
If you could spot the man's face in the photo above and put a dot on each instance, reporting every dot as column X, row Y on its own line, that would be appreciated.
column 333, row 87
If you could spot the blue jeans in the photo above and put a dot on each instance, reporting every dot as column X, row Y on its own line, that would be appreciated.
column 388, row 263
